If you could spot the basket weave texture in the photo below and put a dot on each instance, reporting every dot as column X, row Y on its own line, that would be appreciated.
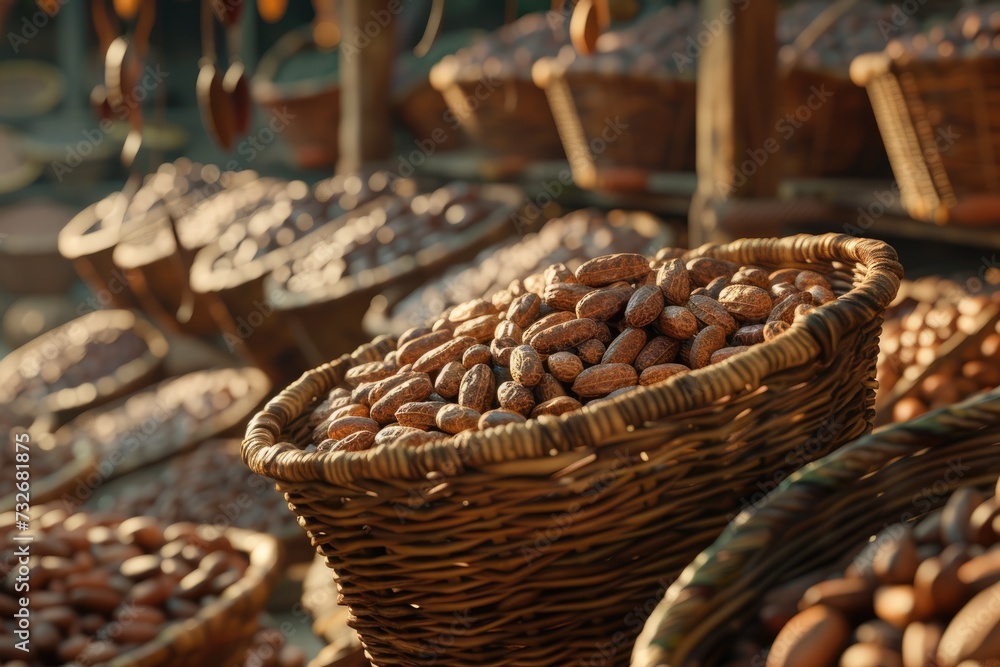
column 543, row 543
column 939, row 122
column 821, row 514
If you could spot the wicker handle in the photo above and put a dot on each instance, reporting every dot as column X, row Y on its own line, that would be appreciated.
column 684, row 607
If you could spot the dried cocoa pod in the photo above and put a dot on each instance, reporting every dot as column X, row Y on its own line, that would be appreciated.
column 558, row 273
column 343, row 427
column 416, row 388
column 565, row 296
column 619, row 267
column 674, row 282
column 477, row 354
column 469, row 310
column 748, row 275
column 725, row 353
column 449, row 380
column 507, row 329
column 481, row 328
column 564, row 336
column 708, row 341
column 661, row 372
column 524, row 309
column 411, row 334
column 501, row 349
column 784, row 310
column 644, row 306
column 454, row 419
column 659, row 350
column 548, row 388
column 419, row 414
column 515, row 397
column 547, row 322
column 499, row 418
column 477, row 390
column 625, row 348
column 806, row 279
column 711, row 313
column 604, row 304
column 751, row 334
column 441, row 355
column 416, row 348
column 703, row 270
column 603, row 379
column 564, row 366
column 370, row 372
column 556, row 406
column 745, row 302
column 418, row 438
column 677, row 322
column 526, row 366
column 591, row 351
column 714, row 288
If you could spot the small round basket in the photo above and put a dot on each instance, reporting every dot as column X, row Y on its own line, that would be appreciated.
column 533, row 543
column 815, row 518
column 122, row 372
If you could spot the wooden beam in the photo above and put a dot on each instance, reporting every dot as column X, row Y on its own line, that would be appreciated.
column 737, row 87
column 367, row 50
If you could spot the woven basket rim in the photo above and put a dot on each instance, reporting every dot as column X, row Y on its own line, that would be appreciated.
column 71, row 398
column 742, row 537
column 818, row 334
column 48, row 488
column 74, row 239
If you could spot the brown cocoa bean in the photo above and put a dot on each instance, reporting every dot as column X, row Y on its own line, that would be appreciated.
column 673, row 280
column 711, row 313
column 564, row 336
column 556, row 406
column 644, row 306
column 605, row 303
column 603, row 379
column 477, row 390
column 480, row 328
column 677, row 322
column 456, row 418
column 524, row 309
column 661, row 372
column 708, row 341
column 441, row 355
column 619, row 267
column 417, row 388
column 515, row 397
column 565, row 296
column 745, row 302
column 659, row 350
column 564, row 366
column 499, row 418
column 625, row 348
column 704, row 270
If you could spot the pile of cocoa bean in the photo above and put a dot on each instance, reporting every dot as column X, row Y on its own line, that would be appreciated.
column 210, row 486
column 560, row 339
column 400, row 227
column 864, row 28
column 294, row 210
column 917, row 595
column 657, row 43
column 913, row 333
column 67, row 357
column 973, row 33
column 567, row 240
column 101, row 585
column 159, row 420
column 511, row 51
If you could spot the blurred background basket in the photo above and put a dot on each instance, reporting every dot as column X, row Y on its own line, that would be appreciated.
column 561, row 527
column 823, row 513
column 939, row 120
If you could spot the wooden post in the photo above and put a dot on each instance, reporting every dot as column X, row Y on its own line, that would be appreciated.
column 736, row 142
column 367, row 49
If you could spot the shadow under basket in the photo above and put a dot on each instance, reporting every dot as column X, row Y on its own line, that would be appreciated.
column 616, row 128
column 941, row 125
column 815, row 519
column 535, row 543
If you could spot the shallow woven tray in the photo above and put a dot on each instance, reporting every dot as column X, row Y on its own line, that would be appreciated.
column 327, row 319
column 543, row 537
column 819, row 515
column 70, row 401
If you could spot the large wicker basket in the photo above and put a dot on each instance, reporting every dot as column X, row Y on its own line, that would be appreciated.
column 941, row 128
column 650, row 118
column 821, row 514
column 531, row 544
